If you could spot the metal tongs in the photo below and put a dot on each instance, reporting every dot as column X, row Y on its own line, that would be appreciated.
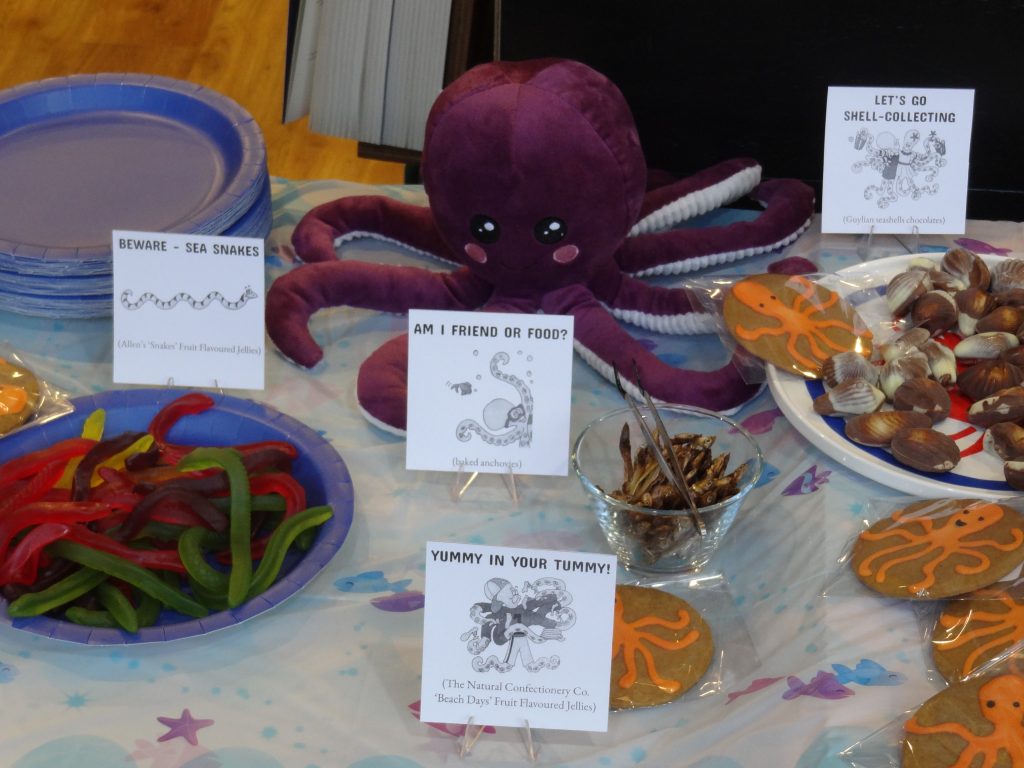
column 670, row 467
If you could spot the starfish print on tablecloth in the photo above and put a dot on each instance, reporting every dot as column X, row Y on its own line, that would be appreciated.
column 184, row 727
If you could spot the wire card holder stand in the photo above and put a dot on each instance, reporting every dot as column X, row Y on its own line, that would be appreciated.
column 462, row 483
column 867, row 248
column 473, row 731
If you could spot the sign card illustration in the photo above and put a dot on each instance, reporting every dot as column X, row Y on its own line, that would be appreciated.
column 896, row 160
column 489, row 392
column 514, row 635
column 188, row 309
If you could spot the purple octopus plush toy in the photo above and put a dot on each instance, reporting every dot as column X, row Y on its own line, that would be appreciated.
column 538, row 193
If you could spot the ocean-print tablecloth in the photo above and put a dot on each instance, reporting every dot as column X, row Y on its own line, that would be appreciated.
column 330, row 678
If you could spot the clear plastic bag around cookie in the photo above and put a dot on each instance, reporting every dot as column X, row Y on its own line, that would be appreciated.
column 931, row 549
column 972, row 634
column 793, row 322
column 733, row 658
column 957, row 725
column 25, row 395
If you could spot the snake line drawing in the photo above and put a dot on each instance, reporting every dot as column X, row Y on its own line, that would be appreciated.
column 207, row 300
column 504, row 422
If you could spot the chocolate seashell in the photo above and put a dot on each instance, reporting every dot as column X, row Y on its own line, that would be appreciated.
column 967, row 266
column 877, row 429
column 985, row 346
column 904, row 289
column 925, row 396
column 1014, row 297
column 849, row 398
column 941, row 362
column 925, row 449
column 1004, row 405
column 1006, row 318
column 988, row 377
column 1007, row 275
column 1013, row 355
column 901, row 369
column 1013, row 471
column 906, row 342
column 1006, row 440
column 972, row 303
column 936, row 311
column 846, row 366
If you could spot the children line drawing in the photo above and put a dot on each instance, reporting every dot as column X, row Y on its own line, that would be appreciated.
column 907, row 167
column 516, row 620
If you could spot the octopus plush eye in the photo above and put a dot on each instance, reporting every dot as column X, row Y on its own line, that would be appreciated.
column 484, row 228
column 549, row 230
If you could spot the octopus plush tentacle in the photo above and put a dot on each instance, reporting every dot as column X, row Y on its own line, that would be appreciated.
column 608, row 348
column 789, row 208
column 656, row 308
column 297, row 295
column 670, row 204
column 329, row 225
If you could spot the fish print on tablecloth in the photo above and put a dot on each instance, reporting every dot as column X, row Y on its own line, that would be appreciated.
column 824, row 685
column 827, row 685
column 980, row 246
column 810, row 481
column 401, row 600
column 868, row 672
column 761, row 422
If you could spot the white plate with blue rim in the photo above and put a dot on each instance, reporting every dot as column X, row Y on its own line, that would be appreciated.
column 979, row 473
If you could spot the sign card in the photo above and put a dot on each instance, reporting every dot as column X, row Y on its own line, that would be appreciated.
column 188, row 309
column 517, row 635
column 489, row 392
column 896, row 160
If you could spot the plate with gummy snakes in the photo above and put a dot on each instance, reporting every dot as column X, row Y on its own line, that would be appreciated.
column 968, row 468
column 149, row 515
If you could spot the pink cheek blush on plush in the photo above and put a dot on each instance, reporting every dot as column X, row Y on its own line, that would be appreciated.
column 565, row 254
column 475, row 252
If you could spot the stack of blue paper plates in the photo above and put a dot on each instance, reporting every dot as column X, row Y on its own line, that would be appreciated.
column 82, row 156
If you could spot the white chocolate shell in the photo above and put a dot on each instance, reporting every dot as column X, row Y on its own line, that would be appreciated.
column 849, row 398
column 901, row 369
column 846, row 366
column 985, row 346
column 941, row 362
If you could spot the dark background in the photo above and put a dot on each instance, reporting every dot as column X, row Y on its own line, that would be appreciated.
column 712, row 80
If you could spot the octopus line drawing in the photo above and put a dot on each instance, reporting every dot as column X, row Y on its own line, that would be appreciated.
column 127, row 302
column 518, row 619
column 504, row 422
column 939, row 542
column 999, row 702
column 900, row 163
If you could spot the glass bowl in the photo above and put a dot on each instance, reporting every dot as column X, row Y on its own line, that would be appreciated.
column 662, row 540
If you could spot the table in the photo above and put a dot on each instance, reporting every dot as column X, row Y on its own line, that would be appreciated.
column 331, row 677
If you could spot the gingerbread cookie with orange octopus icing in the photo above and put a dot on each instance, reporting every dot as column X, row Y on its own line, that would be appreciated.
column 19, row 395
column 973, row 723
column 661, row 647
column 978, row 629
column 792, row 322
column 933, row 549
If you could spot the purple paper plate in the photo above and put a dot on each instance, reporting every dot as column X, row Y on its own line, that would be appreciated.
column 319, row 469
column 83, row 155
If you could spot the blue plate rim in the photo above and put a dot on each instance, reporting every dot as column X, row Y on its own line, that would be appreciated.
column 231, row 203
column 319, row 453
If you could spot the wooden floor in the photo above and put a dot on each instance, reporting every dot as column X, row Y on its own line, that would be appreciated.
column 236, row 47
